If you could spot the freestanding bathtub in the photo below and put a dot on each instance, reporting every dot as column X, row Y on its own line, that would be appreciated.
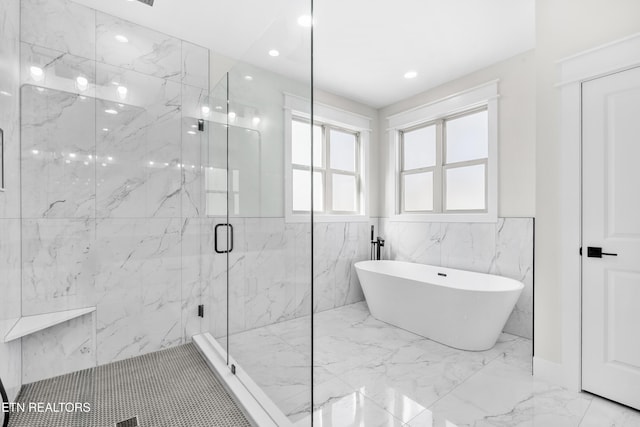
column 457, row 308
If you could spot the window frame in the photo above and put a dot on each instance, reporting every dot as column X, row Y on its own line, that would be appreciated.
column 297, row 108
column 455, row 106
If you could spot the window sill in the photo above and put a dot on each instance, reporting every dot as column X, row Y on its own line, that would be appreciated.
column 462, row 217
column 317, row 218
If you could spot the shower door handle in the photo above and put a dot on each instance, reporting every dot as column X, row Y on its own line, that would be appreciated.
column 215, row 238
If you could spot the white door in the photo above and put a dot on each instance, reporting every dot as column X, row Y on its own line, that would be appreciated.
column 611, row 221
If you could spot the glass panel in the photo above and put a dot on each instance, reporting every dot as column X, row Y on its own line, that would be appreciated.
column 216, row 179
column 419, row 148
column 344, row 193
column 418, row 192
column 302, row 191
column 301, row 143
column 216, row 204
column 467, row 137
column 343, row 150
column 465, row 188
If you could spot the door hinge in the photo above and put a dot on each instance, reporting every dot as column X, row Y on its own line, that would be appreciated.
column 201, row 125
column 233, row 369
column 201, row 310
column 580, row 250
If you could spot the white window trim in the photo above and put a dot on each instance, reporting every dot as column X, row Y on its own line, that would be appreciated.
column 483, row 95
column 300, row 107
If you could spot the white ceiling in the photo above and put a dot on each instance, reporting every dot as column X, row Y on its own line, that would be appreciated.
column 362, row 47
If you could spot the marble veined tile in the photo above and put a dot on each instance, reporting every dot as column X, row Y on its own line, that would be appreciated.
column 57, row 70
column 62, row 25
column 191, row 282
column 10, row 269
column 416, row 242
column 127, row 45
column 138, row 150
column 605, row 413
column 195, row 65
column 514, row 259
column 352, row 410
column 505, row 395
column 468, row 246
column 10, row 107
column 138, row 286
column 58, row 265
column 58, row 154
column 59, row 350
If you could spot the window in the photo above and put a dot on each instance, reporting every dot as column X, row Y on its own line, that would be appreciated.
column 340, row 162
column 447, row 158
column 444, row 164
column 336, row 168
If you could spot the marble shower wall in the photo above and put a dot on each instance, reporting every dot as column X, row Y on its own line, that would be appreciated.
column 269, row 271
column 504, row 248
column 10, row 353
column 111, row 186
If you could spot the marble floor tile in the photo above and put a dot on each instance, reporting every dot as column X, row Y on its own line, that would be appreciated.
column 603, row 413
column 505, row 395
column 354, row 409
column 369, row 373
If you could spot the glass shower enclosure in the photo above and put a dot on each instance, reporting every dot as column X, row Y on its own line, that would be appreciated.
column 256, row 266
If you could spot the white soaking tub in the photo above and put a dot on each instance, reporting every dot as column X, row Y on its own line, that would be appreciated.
column 457, row 308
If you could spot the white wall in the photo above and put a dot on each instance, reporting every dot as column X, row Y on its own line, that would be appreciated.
column 516, row 137
column 563, row 28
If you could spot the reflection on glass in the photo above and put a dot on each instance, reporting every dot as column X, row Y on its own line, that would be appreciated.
column 419, row 148
column 467, row 137
column 465, row 188
column 301, row 143
column 302, row 191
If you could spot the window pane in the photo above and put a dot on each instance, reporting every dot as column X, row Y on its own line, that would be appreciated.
column 467, row 137
column 419, row 148
column 418, row 192
column 302, row 191
column 344, row 193
column 465, row 188
column 301, row 143
column 343, row 150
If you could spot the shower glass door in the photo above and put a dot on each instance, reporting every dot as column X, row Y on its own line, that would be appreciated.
column 259, row 282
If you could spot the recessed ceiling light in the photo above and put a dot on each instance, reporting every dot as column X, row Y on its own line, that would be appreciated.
column 105, row 129
column 190, row 132
column 121, row 38
column 72, row 155
column 151, row 163
column 410, row 74
column 4, row 93
column 248, row 77
column 35, row 151
column 274, row 53
column 305, row 21
column 111, row 111
column 110, row 158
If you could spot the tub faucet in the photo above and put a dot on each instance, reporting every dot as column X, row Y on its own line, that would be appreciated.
column 375, row 246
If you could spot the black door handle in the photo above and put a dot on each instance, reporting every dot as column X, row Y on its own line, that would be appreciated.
column 597, row 252
column 215, row 238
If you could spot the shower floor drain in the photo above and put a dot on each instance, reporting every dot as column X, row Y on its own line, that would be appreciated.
column 131, row 422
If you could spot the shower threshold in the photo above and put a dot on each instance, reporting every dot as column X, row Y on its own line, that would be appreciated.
column 257, row 406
